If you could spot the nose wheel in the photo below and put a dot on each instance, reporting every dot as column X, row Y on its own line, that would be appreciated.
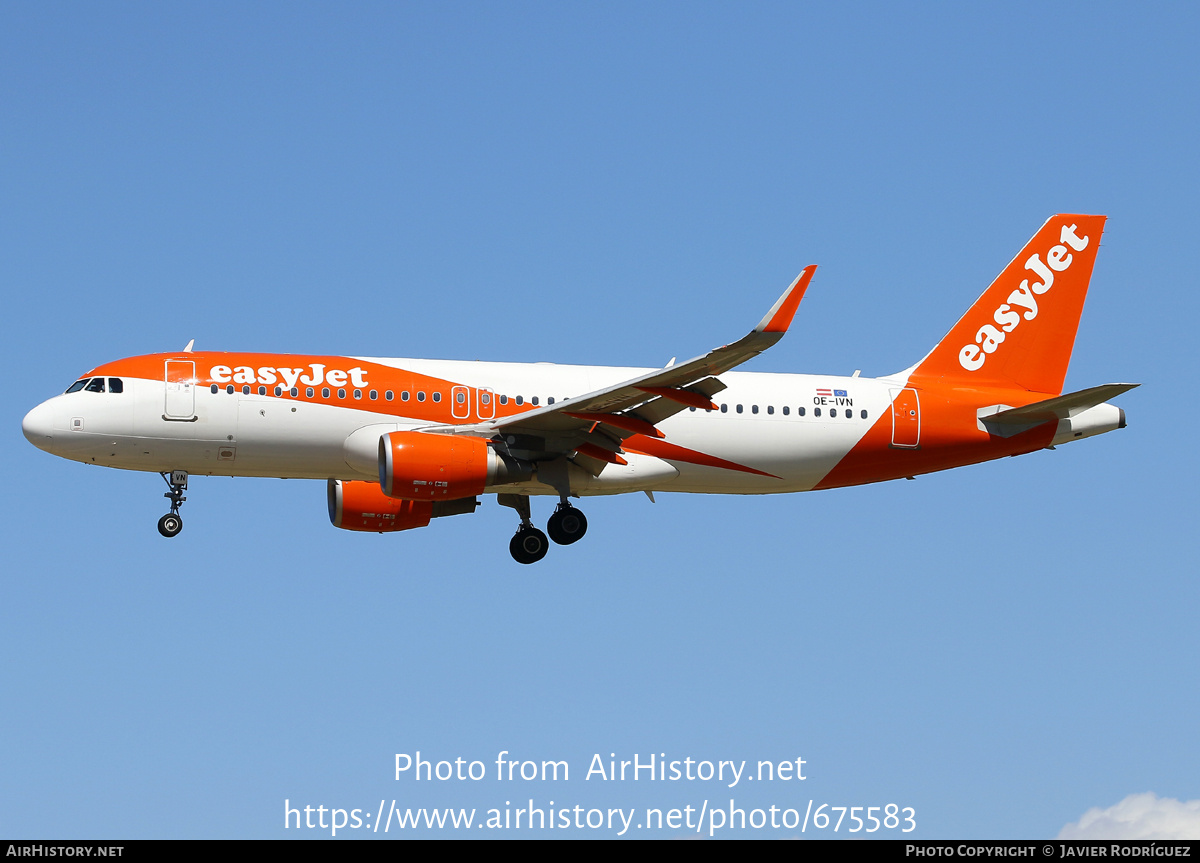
column 171, row 523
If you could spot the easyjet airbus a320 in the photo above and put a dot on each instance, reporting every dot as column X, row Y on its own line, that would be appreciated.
column 401, row 441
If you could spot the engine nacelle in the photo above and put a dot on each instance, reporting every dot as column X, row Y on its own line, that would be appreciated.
column 355, row 505
column 423, row 466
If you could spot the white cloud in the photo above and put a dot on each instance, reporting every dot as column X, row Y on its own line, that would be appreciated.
column 1139, row 816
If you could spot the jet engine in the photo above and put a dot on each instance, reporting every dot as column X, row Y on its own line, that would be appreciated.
column 418, row 466
column 355, row 505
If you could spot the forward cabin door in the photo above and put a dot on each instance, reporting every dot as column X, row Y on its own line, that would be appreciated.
column 906, row 419
column 181, row 391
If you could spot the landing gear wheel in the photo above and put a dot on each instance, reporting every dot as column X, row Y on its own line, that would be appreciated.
column 170, row 524
column 528, row 545
column 567, row 525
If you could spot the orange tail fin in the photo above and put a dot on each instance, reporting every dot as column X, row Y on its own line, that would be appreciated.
column 1021, row 331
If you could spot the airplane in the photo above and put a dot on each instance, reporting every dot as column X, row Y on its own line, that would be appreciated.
column 400, row 442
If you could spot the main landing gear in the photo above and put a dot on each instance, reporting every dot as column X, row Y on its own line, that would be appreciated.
column 171, row 523
column 567, row 525
column 529, row 545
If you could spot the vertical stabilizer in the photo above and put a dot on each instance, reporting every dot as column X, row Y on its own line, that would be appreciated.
column 1021, row 331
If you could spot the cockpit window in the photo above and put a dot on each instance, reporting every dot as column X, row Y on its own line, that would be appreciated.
column 77, row 386
column 116, row 385
column 95, row 385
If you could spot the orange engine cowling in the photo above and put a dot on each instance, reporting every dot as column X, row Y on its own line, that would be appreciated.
column 418, row 466
column 355, row 505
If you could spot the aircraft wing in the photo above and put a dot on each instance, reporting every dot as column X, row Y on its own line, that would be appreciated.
column 593, row 425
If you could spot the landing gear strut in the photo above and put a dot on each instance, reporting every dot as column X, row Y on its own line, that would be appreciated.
column 529, row 544
column 170, row 524
column 567, row 525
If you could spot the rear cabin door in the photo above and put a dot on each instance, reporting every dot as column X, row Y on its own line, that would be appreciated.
column 181, row 391
column 906, row 419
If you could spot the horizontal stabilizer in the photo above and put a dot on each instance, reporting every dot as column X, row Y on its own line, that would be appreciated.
column 1004, row 421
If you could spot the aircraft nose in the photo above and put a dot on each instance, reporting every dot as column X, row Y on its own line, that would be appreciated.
column 38, row 426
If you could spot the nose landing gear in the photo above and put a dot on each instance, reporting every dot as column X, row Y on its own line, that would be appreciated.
column 171, row 523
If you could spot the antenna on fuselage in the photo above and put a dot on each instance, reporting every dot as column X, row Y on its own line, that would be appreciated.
column 188, row 349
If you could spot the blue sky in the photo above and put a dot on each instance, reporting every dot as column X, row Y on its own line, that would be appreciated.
column 1001, row 647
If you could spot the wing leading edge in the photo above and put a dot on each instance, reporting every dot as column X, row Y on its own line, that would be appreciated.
column 592, row 426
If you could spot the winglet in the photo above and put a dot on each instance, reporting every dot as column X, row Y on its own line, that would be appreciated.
column 780, row 317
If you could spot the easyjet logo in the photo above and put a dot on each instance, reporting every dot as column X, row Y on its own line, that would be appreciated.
column 316, row 375
column 1007, row 317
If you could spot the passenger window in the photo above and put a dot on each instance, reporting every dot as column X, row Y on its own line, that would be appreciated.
column 278, row 391
column 341, row 393
column 786, row 410
column 324, row 392
column 246, row 390
column 533, row 401
column 373, row 395
column 520, row 400
column 213, row 389
column 294, row 392
column 724, row 408
column 816, row 412
column 693, row 410
column 262, row 391
column 358, row 394
column 739, row 408
column 800, row 412
column 420, row 396
column 116, row 385
column 404, row 396
column 460, row 397
column 229, row 389
column 849, row 414
column 864, row 414
column 437, row 397
column 754, row 409
column 77, row 386
column 95, row 385
column 770, row 409
column 550, row 400
column 503, row 400
column 389, row 395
